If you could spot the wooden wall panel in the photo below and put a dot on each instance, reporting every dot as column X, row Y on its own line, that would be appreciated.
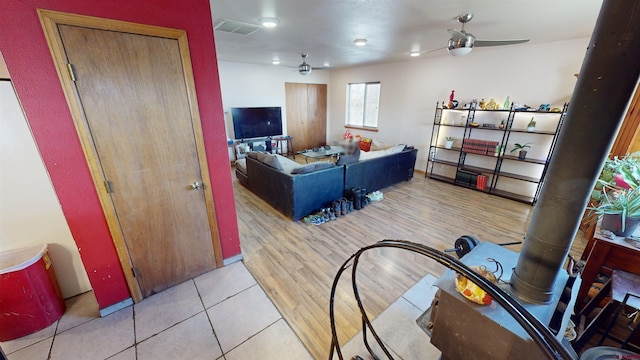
column 306, row 114
column 628, row 139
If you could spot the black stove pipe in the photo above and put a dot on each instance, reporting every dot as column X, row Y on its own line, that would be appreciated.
column 607, row 79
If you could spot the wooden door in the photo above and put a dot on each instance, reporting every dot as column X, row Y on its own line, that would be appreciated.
column 306, row 114
column 142, row 131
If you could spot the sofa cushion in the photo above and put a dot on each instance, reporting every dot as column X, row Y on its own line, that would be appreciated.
column 312, row 167
column 380, row 153
column 379, row 145
column 241, row 165
column 287, row 164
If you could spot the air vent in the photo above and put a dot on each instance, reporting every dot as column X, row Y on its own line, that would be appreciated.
column 237, row 27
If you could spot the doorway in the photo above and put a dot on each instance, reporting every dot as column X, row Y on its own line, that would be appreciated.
column 131, row 93
column 306, row 114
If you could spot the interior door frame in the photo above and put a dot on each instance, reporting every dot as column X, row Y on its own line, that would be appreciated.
column 50, row 21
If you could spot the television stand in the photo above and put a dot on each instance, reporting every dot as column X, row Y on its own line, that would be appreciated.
column 283, row 145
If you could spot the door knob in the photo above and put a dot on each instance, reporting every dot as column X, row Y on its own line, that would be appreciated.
column 197, row 185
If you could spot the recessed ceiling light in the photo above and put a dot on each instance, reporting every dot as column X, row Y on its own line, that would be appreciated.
column 326, row 64
column 275, row 61
column 269, row 22
column 360, row 42
column 415, row 53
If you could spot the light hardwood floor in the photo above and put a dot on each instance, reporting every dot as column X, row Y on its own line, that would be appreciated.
column 295, row 263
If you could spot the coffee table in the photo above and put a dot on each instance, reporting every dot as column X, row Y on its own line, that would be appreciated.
column 333, row 151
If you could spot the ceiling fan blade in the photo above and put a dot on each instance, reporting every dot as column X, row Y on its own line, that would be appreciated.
column 434, row 50
column 499, row 42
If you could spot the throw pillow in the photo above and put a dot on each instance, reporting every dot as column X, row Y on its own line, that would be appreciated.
column 269, row 160
column 253, row 154
column 312, row 167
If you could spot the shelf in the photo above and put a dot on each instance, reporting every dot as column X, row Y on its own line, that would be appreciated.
column 442, row 178
column 472, row 187
column 487, row 155
column 444, row 162
column 529, row 160
column 537, row 112
column 513, row 196
column 476, row 169
column 486, row 128
column 480, row 110
column 533, row 132
column 457, row 149
column 519, row 177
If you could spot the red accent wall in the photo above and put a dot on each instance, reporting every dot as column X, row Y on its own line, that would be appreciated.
column 29, row 61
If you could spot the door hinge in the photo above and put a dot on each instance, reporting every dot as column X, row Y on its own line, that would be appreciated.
column 72, row 74
column 107, row 185
column 133, row 271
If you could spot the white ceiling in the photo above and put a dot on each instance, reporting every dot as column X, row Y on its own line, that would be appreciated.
column 326, row 28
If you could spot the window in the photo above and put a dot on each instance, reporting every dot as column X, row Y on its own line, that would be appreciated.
column 362, row 104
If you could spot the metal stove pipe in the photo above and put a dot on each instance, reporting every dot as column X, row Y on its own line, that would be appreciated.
column 608, row 77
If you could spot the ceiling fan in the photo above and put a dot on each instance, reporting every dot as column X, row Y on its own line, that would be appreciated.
column 461, row 42
column 304, row 68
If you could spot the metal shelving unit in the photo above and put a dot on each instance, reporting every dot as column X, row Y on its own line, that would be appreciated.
column 495, row 173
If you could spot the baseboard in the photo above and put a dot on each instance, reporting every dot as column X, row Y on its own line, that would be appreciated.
column 419, row 171
column 115, row 307
column 231, row 260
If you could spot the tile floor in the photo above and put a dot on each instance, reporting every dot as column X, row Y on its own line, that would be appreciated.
column 223, row 314
column 397, row 327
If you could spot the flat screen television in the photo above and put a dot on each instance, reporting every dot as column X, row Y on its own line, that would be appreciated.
column 255, row 122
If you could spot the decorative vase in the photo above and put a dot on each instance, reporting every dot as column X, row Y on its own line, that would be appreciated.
column 448, row 144
column 531, row 128
column 522, row 154
column 613, row 223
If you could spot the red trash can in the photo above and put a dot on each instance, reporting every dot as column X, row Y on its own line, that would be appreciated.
column 30, row 298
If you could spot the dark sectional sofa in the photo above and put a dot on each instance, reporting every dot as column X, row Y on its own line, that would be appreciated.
column 378, row 173
column 295, row 195
column 298, row 195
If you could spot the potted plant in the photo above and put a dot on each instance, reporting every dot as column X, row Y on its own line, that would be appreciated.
column 531, row 126
column 620, row 210
column 523, row 153
column 448, row 144
column 501, row 126
column 616, row 197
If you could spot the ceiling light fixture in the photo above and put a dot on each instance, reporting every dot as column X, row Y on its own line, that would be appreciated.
column 360, row 42
column 269, row 22
column 275, row 61
column 415, row 53
column 461, row 46
column 326, row 64
column 462, row 51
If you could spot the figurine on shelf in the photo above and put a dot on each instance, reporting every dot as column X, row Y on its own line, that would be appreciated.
column 452, row 102
column 544, row 107
column 507, row 104
column 483, row 104
column 491, row 105
column 531, row 126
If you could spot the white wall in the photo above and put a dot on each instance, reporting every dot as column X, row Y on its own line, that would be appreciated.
column 30, row 212
column 249, row 85
column 532, row 74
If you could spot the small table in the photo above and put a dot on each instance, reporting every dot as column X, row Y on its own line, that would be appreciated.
column 606, row 255
column 333, row 151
